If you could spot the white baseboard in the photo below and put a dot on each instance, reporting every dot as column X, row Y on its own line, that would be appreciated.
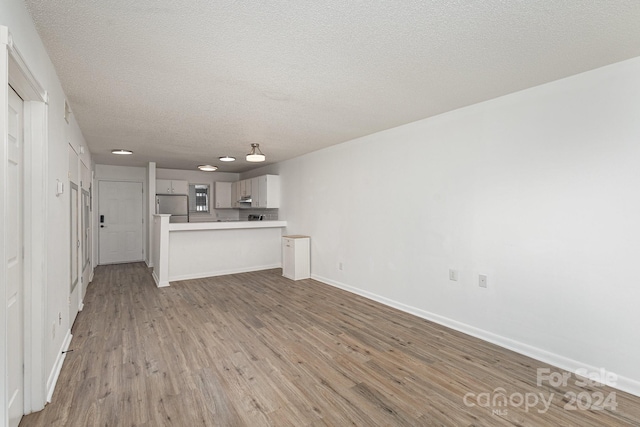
column 223, row 272
column 57, row 366
column 628, row 385
column 157, row 280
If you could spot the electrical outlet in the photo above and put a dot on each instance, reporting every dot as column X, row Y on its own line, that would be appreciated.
column 482, row 281
column 453, row 275
column 340, row 266
column 59, row 318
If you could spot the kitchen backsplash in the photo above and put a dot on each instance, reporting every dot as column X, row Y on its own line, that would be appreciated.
column 269, row 214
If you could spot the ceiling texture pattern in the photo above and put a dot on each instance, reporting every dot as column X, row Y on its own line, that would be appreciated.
column 183, row 82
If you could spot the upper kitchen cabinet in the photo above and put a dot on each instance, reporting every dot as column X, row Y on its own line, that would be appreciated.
column 265, row 192
column 245, row 188
column 235, row 194
column 255, row 189
column 169, row 186
column 223, row 195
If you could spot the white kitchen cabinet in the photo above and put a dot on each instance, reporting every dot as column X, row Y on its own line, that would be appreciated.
column 235, row 194
column 296, row 259
column 223, row 195
column 264, row 191
column 245, row 188
column 255, row 192
column 180, row 187
column 268, row 192
column 163, row 186
column 171, row 186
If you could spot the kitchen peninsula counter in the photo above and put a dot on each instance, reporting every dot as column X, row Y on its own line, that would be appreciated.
column 225, row 225
column 194, row 250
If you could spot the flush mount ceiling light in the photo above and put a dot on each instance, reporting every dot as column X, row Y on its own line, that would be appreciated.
column 227, row 159
column 121, row 151
column 207, row 168
column 255, row 155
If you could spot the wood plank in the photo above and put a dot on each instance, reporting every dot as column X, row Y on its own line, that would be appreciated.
column 255, row 349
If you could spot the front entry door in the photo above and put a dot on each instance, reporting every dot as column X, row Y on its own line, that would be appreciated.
column 15, row 254
column 120, row 222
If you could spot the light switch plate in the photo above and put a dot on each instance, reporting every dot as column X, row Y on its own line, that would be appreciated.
column 482, row 281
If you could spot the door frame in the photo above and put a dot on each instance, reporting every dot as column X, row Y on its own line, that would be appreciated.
column 74, row 303
column 15, row 72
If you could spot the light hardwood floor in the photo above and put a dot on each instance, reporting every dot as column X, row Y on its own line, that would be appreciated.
column 256, row 349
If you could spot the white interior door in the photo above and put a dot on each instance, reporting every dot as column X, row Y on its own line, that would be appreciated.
column 14, row 253
column 120, row 223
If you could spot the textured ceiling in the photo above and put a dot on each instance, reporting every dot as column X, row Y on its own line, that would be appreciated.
column 184, row 82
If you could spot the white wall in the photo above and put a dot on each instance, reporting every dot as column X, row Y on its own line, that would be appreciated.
column 60, row 135
column 199, row 177
column 538, row 190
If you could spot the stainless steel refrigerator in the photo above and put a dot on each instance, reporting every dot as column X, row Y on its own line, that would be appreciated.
column 175, row 204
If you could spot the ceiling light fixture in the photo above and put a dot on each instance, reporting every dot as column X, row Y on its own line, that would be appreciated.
column 207, row 168
column 255, row 155
column 227, row 159
column 121, row 151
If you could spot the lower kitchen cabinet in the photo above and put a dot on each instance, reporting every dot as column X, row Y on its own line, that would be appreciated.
column 296, row 259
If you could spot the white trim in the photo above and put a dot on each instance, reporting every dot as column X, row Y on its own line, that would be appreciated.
column 622, row 383
column 150, row 211
column 36, row 224
column 57, row 367
column 4, row 102
column 161, row 249
column 96, row 216
column 223, row 272
column 20, row 77
column 14, row 71
column 157, row 280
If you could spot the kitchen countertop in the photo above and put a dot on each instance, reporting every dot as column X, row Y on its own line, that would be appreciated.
column 225, row 225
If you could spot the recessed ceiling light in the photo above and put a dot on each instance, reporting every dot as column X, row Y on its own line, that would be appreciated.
column 255, row 155
column 227, row 159
column 121, row 151
column 207, row 168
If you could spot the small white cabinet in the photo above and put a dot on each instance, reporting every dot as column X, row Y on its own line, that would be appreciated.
column 296, row 259
column 171, row 186
column 223, row 195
